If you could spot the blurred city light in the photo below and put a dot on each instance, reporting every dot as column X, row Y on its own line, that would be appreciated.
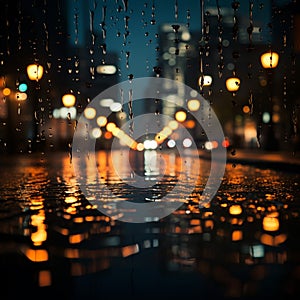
column 150, row 144
column 226, row 143
column 271, row 223
column 68, row 100
column 233, row 84
column 140, row 147
column 106, row 102
column 163, row 134
column 246, row 109
column 190, row 124
column 90, row 113
column 121, row 115
column 180, row 116
column 235, row 209
column 102, row 121
column 35, row 72
column 21, row 96
column 193, row 104
column 6, row 92
column 115, row 107
column 173, row 124
column 269, row 60
column 205, row 80
column 257, row 251
column 210, row 145
column 171, row 143
column 64, row 113
column 110, row 126
column 106, row 69
column 187, row 142
column 266, row 117
column 96, row 133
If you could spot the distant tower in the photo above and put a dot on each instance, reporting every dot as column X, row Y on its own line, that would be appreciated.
column 176, row 51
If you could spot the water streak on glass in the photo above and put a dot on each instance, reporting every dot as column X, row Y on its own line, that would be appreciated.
column 130, row 107
column 103, row 22
column 76, row 15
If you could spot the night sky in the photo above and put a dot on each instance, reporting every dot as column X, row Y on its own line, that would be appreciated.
column 141, row 43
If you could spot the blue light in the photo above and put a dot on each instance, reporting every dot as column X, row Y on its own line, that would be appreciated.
column 23, row 87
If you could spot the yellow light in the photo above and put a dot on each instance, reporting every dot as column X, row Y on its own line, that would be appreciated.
column 233, row 84
column 133, row 145
column 235, row 210
column 270, row 240
column 166, row 131
column 140, row 147
column 70, row 199
column 180, row 116
column 102, row 121
column 35, row 72
column 237, row 235
column 246, row 109
column 269, row 60
column 39, row 236
column 205, row 80
column 6, row 92
column 270, row 223
column 36, row 255
column 68, row 100
column 173, row 124
column 78, row 220
column 106, row 69
column 21, row 96
column 160, row 137
column 193, row 104
column 110, row 126
column 96, row 133
column 76, row 238
column 122, row 115
column 116, row 131
column 127, row 140
column 250, row 132
column 90, row 113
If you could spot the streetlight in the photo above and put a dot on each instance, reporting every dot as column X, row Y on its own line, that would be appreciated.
column 68, row 100
column 35, row 73
column 180, row 116
column 269, row 61
column 106, row 69
column 205, row 80
column 233, row 84
column 193, row 104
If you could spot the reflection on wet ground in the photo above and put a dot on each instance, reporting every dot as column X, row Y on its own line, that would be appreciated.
column 54, row 242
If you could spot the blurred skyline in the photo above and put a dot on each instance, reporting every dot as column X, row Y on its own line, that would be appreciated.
column 144, row 21
column 71, row 39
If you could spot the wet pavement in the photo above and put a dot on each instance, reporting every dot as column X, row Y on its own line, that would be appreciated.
column 55, row 243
